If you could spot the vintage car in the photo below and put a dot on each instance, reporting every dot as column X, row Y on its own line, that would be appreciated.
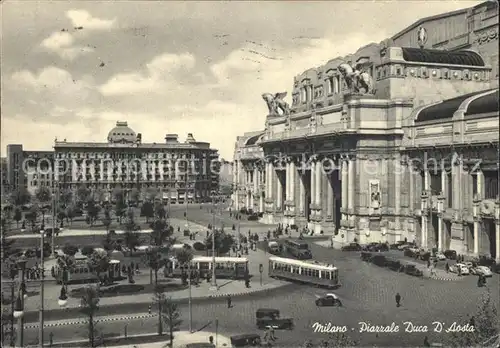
column 366, row 256
column 396, row 245
column 268, row 317
column 481, row 270
column 328, row 300
column 200, row 345
column 440, row 256
column 351, row 247
column 245, row 340
column 464, row 270
column 450, row 254
column 413, row 271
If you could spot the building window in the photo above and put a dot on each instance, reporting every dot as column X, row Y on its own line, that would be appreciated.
column 336, row 86
column 329, row 85
column 490, row 184
column 449, row 183
column 436, row 187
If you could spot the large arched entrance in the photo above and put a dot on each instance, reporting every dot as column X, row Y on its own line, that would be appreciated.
column 306, row 181
column 487, row 242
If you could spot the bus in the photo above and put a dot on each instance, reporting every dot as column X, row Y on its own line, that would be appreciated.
column 308, row 272
column 298, row 249
column 225, row 267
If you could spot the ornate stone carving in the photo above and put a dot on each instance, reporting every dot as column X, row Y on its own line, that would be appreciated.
column 275, row 104
column 358, row 81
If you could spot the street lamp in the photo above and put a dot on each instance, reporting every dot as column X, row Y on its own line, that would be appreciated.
column 19, row 308
column 42, row 282
column 214, row 280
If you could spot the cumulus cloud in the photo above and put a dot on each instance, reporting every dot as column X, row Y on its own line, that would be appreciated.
column 159, row 73
column 64, row 44
column 82, row 18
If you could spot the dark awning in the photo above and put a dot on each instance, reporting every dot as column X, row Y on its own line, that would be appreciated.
column 471, row 58
column 446, row 108
column 484, row 104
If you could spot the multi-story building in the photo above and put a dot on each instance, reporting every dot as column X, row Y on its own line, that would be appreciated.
column 248, row 173
column 396, row 141
column 27, row 171
column 5, row 181
column 180, row 171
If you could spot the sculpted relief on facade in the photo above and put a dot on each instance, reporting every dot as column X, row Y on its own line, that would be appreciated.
column 276, row 105
column 357, row 80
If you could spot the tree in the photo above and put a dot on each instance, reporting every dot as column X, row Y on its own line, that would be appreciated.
column 18, row 216
column 70, row 213
column 147, row 210
column 223, row 242
column 106, row 220
column 70, row 250
column 169, row 314
column 32, row 215
column 159, row 210
column 155, row 262
column 161, row 233
column 87, row 250
column 92, row 211
column 43, row 195
column 66, row 197
column 486, row 326
column 61, row 215
column 338, row 339
column 98, row 262
column 89, row 307
column 120, row 205
column 82, row 194
column 134, row 195
column 131, row 237
column 184, row 257
column 6, row 244
column 18, row 198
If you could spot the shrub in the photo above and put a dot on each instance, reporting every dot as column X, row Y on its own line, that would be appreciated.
column 70, row 250
column 87, row 250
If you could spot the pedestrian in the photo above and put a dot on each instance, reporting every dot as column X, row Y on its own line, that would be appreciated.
column 472, row 321
column 398, row 300
column 426, row 342
column 273, row 337
column 149, row 309
column 429, row 263
column 229, row 302
column 447, row 267
column 51, row 339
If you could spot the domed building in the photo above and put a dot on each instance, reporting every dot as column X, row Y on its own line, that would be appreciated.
column 172, row 170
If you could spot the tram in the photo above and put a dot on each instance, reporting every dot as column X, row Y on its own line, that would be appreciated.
column 225, row 267
column 307, row 272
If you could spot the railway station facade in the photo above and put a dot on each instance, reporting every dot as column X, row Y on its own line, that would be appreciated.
column 398, row 141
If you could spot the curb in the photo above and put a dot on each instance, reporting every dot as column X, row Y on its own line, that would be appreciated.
column 103, row 320
column 185, row 300
column 444, row 278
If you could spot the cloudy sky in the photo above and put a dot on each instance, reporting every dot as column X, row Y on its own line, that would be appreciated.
column 72, row 69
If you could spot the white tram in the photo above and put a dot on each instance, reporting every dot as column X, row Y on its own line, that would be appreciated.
column 225, row 267
column 311, row 272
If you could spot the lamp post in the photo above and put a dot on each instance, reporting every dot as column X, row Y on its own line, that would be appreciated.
column 19, row 308
column 42, row 282
column 214, row 280
column 190, row 301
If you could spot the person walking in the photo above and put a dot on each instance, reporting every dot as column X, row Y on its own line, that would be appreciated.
column 398, row 300
column 447, row 267
column 426, row 342
column 229, row 302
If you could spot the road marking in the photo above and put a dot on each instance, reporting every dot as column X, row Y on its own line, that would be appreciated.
column 83, row 321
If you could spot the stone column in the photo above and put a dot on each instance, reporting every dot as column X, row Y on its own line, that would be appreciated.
column 329, row 195
column 313, row 183
column 455, row 177
column 292, row 181
column 497, row 240
column 345, row 183
column 247, row 199
column 269, row 191
column 318, row 182
column 255, row 180
column 279, row 193
column 476, row 236
column 261, row 203
column 480, row 184
column 440, row 233
column 350, row 179
column 302, row 193
column 287, row 181
column 423, row 231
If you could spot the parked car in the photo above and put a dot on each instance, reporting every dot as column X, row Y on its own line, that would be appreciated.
column 253, row 217
column 396, row 245
column 425, row 255
column 469, row 265
column 481, row 270
column 271, row 317
column 392, row 264
column 486, row 261
column 370, row 247
column 328, row 300
column 464, row 270
column 440, row 256
column 404, row 246
column 245, row 340
column 450, row 254
column 366, row 256
column 378, row 260
column 413, row 271
column 351, row 247
column 409, row 253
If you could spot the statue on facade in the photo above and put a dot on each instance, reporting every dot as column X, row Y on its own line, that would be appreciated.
column 357, row 80
column 275, row 103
